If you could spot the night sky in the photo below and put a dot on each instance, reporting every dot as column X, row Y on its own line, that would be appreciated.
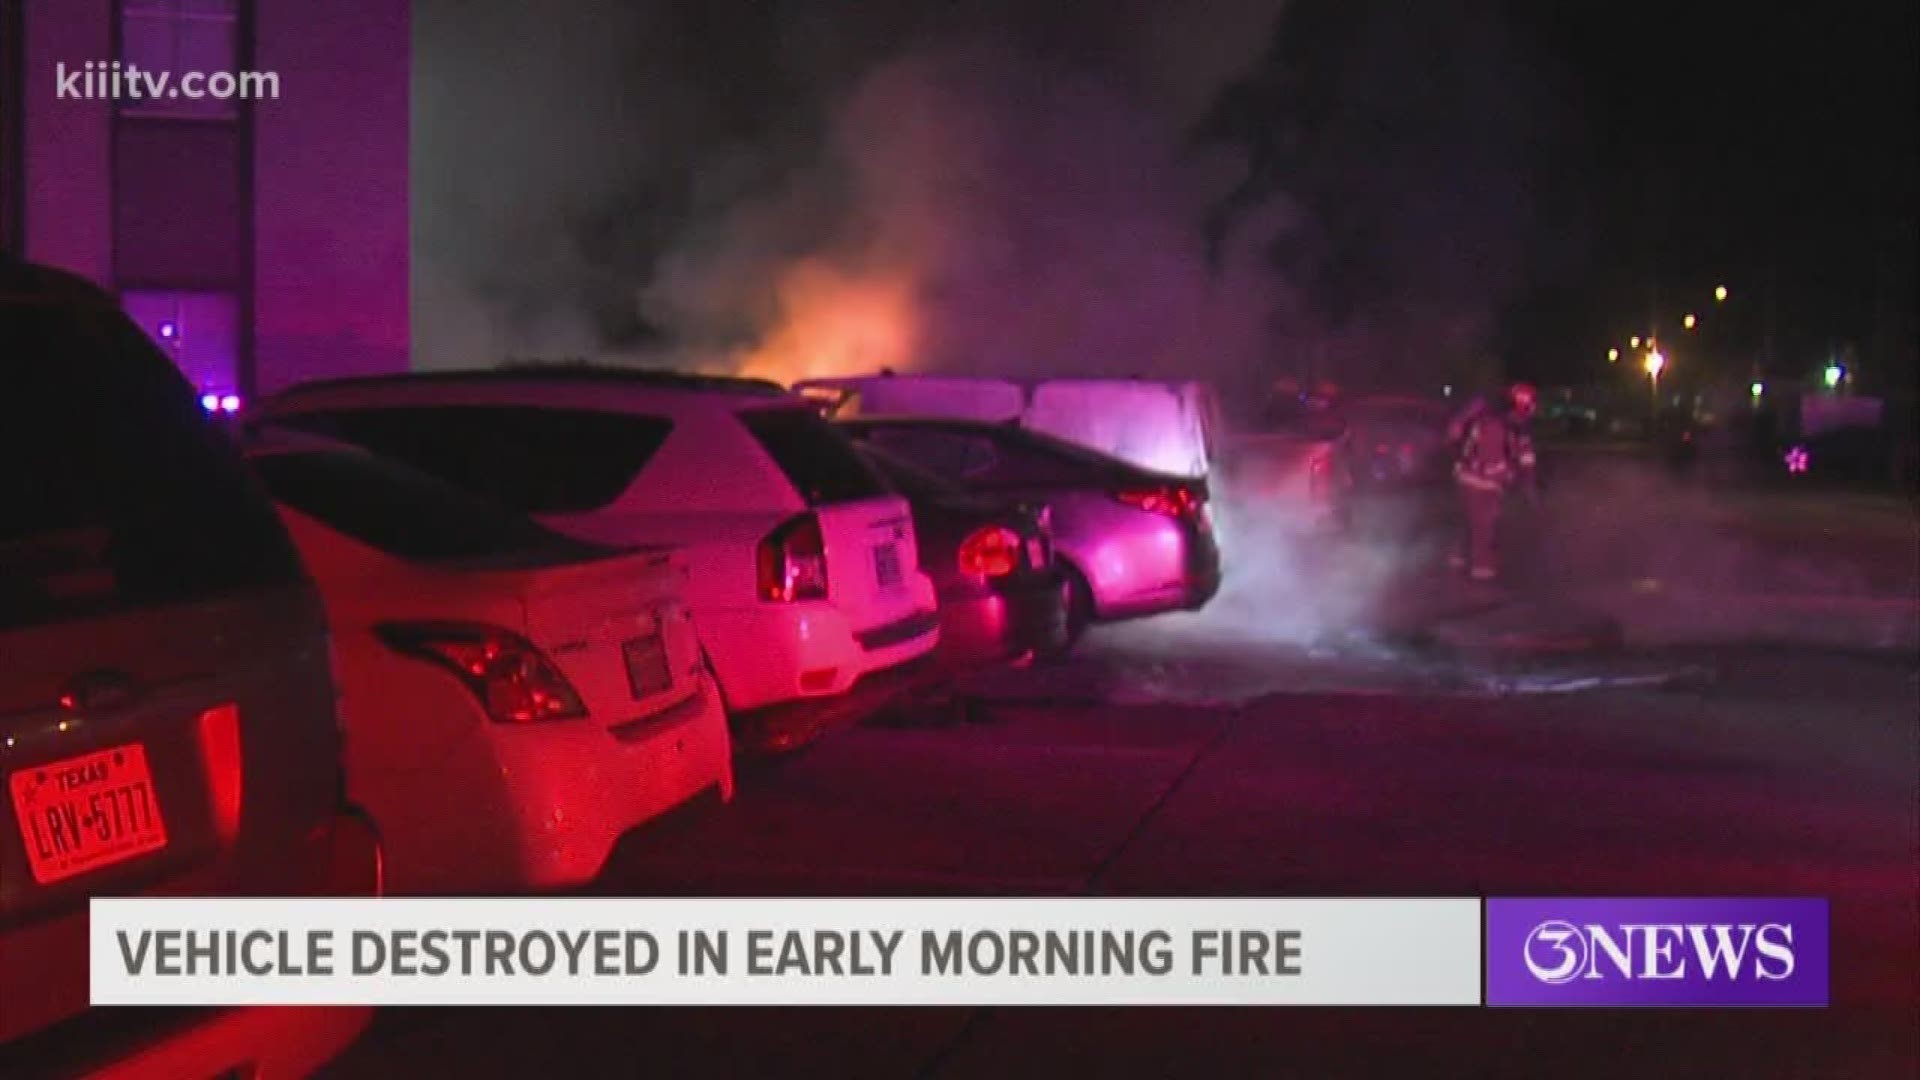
column 802, row 186
column 1769, row 147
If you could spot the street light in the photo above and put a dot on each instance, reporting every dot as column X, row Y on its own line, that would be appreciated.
column 1757, row 389
column 1635, row 342
column 1656, row 361
column 1613, row 356
column 1720, row 294
column 1688, row 322
column 1835, row 373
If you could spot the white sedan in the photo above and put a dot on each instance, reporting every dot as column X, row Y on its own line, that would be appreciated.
column 514, row 700
column 806, row 576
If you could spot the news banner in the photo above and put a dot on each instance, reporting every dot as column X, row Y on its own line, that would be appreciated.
column 1453, row 951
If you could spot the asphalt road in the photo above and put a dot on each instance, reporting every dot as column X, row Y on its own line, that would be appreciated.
column 1782, row 771
column 1330, row 726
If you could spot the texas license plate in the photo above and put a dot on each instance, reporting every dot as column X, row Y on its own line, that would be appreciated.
column 648, row 669
column 886, row 567
column 87, row 812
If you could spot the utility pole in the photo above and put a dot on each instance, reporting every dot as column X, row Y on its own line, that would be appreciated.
column 1773, row 314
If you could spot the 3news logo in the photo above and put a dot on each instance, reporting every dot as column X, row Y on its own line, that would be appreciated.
column 1651, row 951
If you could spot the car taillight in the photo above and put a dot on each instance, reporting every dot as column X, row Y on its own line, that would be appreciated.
column 220, row 754
column 512, row 680
column 792, row 562
column 1174, row 501
column 992, row 551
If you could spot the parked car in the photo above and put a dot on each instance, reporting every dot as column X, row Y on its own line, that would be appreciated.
column 1163, row 426
column 553, row 690
column 804, row 568
column 1397, row 443
column 167, row 721
column 1131, row 542
column 1002, row 596
column 1292, row 462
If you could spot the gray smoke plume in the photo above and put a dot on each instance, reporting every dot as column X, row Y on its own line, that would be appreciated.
column 1225, row 190
column 753, row 182
column 811, row 188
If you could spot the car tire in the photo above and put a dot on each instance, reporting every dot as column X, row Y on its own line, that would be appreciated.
column 729, row 782
column 1079, row 613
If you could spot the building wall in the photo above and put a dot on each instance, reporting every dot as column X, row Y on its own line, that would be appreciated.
column 294, row 214
column 330, row 190
column 67, row 149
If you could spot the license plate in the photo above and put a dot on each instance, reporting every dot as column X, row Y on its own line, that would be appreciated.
column 886, row 567
column 87, row 812
column 648, row 670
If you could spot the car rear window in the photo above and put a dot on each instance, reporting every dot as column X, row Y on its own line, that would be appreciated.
column 536, row 460
column 998, row 457
column 116, row 492
column 820, row 462
column 406, row 513
column 907, row 478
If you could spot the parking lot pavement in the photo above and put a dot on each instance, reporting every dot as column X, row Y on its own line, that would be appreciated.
column 1785, row 774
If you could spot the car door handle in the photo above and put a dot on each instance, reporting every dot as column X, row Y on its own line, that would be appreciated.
column 100, row 689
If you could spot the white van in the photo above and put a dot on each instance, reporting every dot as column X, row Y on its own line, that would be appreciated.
column 1169, row 427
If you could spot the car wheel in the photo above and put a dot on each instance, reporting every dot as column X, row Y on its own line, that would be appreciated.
column 1079, row 605
column 727, row 780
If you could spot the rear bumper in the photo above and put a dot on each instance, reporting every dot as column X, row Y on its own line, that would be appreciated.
column 791, row 725
column 1198, row 582
column 1204, row 587
column 771, row 654
column 541, row 806
column 127, row 1043
column 1002, row 623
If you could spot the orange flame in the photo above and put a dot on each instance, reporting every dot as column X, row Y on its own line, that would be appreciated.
column 836, row 323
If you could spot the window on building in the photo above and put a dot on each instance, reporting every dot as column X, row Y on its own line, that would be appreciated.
column 179, row 204
column 199, row 332
column 178, row 37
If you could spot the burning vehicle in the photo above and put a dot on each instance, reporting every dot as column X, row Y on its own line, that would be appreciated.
column 1167, row 427
column 1131, row 541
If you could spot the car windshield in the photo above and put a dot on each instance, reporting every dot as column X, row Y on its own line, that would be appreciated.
column 406, row 513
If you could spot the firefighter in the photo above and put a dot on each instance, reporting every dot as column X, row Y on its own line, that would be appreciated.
column 1495, row 456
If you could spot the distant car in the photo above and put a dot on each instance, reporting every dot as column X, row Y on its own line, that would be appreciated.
column 1290, row 466
column 803, row 565
column 1130, row 542
column 167, row 721
column 1397, row 443
column 1002, row 596
column 515, row 700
